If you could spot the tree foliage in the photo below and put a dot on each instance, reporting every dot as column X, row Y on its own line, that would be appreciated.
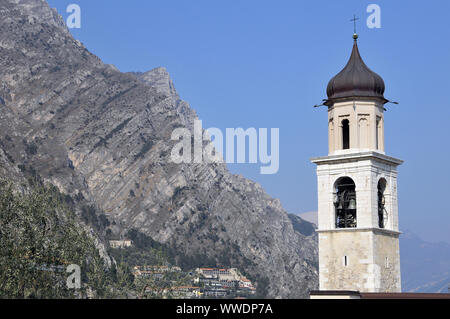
column 39, row 237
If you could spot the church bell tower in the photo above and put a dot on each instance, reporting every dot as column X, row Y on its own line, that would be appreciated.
column 357, row 187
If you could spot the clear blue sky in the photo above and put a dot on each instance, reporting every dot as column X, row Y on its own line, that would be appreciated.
column 265, row 63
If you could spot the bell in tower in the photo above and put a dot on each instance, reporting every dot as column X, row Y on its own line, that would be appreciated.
column 357, row 187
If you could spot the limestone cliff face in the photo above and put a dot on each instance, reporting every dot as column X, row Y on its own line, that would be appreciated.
column 104, row 136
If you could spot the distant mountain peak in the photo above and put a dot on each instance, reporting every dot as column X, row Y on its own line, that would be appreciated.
column 311, row 217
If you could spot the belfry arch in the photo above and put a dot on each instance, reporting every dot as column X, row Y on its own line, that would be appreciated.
column 345, row 203
column 382, row 212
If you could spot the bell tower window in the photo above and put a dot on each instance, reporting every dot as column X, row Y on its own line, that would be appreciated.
column 345, row 134
column 345, row 203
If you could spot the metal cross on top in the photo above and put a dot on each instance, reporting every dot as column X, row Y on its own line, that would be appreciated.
column 354, row 23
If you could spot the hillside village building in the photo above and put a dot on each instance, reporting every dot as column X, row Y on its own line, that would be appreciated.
column 219, row 273
column 357, row 187
column 223, row 279
column 120, row 243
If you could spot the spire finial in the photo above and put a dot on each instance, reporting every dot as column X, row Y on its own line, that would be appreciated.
column 355, row 35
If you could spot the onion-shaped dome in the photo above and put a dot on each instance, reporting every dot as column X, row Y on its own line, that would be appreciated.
column 355, row 80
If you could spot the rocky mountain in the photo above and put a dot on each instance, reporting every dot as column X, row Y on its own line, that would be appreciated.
column 104, row 137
